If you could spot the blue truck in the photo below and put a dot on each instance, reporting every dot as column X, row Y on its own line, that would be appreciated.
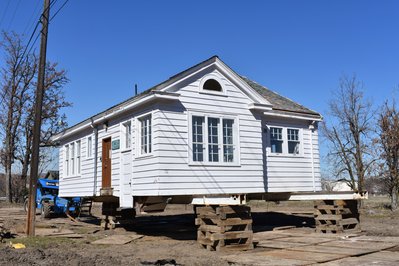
column 48, row 202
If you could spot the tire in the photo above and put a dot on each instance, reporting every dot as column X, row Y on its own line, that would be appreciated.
column 46, row 210
column 26, row 204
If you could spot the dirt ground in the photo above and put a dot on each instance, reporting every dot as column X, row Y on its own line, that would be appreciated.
column 169, row 238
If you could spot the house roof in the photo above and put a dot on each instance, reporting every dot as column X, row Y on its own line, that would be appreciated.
column 278, row 101
column 280, row 104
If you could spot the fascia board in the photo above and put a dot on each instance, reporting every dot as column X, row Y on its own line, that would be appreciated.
column 102, row 118
column 294, row 116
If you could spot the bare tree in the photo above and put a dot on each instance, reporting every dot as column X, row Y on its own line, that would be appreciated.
column 18, row 84
column 388, row 125
column 349, row 133
column 16, row 81
column 53, row 121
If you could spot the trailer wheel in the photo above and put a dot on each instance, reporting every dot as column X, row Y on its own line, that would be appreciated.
column 45, row 211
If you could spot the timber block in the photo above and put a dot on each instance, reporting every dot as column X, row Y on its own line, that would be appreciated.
column 224, row 227
column 336, row 216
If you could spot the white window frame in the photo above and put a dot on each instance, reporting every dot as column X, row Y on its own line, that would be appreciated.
column 72, row 151
column 139, row 153
column 78, row 147
column 67, row 162
column 297, row 141
column 285, row 152
column 126, row 140
column 89, row 148
column 73, row 158
column 236, row 140
column 216, row 77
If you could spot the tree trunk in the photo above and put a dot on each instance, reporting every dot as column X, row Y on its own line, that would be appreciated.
column 8, row 183
column 394, row 198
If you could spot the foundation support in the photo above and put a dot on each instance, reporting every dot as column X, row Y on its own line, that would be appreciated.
column 224, row 227
column 336, row 216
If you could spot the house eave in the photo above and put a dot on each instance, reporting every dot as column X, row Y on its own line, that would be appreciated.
column 294, row 115
column 109, row 114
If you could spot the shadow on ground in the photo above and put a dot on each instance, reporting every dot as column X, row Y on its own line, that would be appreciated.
column 182, row 227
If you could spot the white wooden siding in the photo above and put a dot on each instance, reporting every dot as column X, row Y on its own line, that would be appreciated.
column 167, row 171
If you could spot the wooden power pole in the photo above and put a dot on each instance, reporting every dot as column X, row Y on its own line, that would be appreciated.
column 34, row 166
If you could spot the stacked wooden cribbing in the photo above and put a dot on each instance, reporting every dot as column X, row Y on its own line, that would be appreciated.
column 336, row 216
column 224, row 227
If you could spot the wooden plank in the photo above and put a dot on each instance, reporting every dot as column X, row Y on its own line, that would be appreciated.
column 233, row 209
column 231, row 235
column 331, row 249
column 360, row 244
column 235, row 247
column 210, row 228
column 235, row 221
column 259, row 259
column 349, row 221
column 312, row 257
column 387, row 256
column 306, row 240
column 328, row 217
column 278, row 244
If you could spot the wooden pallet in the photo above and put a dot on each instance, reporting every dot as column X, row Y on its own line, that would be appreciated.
column 224, row 227
column 336, row 216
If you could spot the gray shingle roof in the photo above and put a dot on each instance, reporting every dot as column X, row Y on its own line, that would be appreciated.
column 279, row 102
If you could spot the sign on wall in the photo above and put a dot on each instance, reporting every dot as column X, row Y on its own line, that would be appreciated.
column 115, row 144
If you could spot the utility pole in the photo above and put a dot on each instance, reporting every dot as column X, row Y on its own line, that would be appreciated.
column 34, row 166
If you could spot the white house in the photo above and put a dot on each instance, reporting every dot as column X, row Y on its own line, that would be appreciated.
column 204, row 132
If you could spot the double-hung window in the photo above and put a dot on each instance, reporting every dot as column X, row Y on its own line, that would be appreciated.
column 127, row 135
column 213, row 139
column 145, row 135
column 286, row 141
column 276, row 140
column 72, row 158
column 198, row 138
column 78, row 151
column 89, row 147
column 293, row 140
column 67, row 160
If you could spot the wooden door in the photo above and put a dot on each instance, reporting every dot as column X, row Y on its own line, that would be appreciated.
column 106, row 163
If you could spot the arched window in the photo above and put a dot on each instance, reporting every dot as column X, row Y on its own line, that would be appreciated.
column 212, row 85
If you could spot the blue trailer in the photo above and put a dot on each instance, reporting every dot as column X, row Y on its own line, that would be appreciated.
column 48, row 202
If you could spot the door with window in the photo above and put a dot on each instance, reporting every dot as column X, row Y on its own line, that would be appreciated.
column 106, row 163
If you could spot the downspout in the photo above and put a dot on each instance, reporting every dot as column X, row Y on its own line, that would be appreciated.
column 95, row 130
column 311, row 127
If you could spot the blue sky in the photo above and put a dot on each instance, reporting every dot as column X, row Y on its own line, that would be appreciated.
column 297, row 48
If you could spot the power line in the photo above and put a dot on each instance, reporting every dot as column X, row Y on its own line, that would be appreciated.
column 59, row 9
column 36, row 12
column 33, row 33
column 5, row 12
column 13, row 15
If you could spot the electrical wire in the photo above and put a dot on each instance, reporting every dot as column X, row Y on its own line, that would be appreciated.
column 59, row 9
column 5, row 12
column 13, row 14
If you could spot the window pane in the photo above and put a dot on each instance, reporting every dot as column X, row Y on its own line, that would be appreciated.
column 89, row 147
column 276, row 146
column 213, row 143
column 198, row 147
column 146, row 134
column 228, row 147
column 293, row 134
column 149, row 134
column 276, row 133
column 128, row 135
column 293, row 147
column 78, row 157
